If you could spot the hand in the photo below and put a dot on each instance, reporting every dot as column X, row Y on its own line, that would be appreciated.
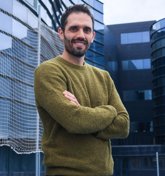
column 71, row 97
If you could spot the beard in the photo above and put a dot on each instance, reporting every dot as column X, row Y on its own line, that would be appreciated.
column 76, row 51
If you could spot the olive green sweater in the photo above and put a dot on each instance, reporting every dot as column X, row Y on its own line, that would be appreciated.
column 76, row 138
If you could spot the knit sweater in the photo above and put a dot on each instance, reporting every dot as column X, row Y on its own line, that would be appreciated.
column 76, row 139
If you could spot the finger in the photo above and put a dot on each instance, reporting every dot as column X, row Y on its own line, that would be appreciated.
column 73, row 99
column 69, row 97
column 77, row 104
column 68, row 93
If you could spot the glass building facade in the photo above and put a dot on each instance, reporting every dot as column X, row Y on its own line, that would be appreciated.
column 158, row 70
column 134, row 66
column 130, row 50
column 18, row 59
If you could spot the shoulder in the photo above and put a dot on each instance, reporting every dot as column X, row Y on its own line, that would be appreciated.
column 99, row 71
column 49, row 71
column 48, row 66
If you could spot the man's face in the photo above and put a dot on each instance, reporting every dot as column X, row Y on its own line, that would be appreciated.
column 78, row 34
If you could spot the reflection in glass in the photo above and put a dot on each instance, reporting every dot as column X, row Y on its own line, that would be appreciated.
column 19, row 30
column 98, row 47
column 136, row 64
column 7, row 5
column 98, row 16
column 20, row 11
column 135, row 37
column 5, row 107
column 99, row 26
column 134, row 95
column 158, row 25
column 99, row 36
column 96, row 4
column 45, row 17
column 32, row 20
column 112, row 66
column 7, row 26
column 31, row 2
column 5, row 42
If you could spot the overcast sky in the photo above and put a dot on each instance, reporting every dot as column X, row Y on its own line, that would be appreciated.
column 125, row 11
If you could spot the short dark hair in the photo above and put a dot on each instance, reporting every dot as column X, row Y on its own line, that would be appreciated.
column 77, row 8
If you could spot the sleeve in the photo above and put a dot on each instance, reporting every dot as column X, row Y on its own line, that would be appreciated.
column 49, row 85
column 119, row 128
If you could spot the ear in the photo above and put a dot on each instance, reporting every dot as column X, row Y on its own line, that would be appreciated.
column 93, row 37
column 61, row 33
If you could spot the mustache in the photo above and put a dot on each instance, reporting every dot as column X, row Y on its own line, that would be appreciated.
column 82, row 40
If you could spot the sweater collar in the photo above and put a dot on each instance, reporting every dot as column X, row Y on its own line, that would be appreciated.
column 60, row 59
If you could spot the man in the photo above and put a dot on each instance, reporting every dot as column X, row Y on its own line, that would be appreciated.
column 78, row 104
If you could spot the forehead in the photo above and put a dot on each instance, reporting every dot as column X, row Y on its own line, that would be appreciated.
column 79, row 19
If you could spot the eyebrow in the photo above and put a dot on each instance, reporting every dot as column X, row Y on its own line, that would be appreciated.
column 84, row 26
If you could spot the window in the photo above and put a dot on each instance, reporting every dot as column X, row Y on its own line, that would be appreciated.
column 158, row 44
column 136, row 127
column 6, row 5
column 32, row 20
column 99, row 36
column 24, row 14
column 45, row 17
column 6, row 42
column 135, row 37
column 160, row 24
column 98, row 47
column 5, row 106
column 137, row 64
column 20, row 11
column 98, row 16
column 98, row 26
column 159, row 91
column 19, row 30
column 33, row 3
column 159, row 82
column 134, row 95
column 112, row 66
column 159, row 53
column 5, row 23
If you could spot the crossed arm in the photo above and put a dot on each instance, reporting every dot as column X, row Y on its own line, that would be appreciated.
column 71, row 97
column 119, row 128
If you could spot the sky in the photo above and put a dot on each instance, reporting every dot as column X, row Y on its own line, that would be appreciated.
column 127, row 11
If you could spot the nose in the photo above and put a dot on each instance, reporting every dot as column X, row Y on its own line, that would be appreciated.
column 80, row 33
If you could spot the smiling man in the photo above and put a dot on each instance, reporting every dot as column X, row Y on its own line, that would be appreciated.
column 79, row 106
column 77, row 34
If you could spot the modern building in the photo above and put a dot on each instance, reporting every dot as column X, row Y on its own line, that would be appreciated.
column 135, row 63
column 130, row 64
column 158, row 70
column 128, row 53
column 25, row 41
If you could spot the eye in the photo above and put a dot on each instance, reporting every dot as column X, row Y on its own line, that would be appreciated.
column 73, row 28
column 87, row 30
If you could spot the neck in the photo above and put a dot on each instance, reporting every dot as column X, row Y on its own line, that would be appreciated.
column 73, row 59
